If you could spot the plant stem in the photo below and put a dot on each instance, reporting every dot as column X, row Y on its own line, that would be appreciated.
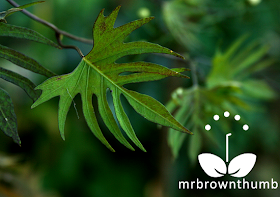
column 58, row 38
column 50, row 25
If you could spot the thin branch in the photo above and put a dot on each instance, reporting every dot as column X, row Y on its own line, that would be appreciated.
column 52, row 26
column 58, row 38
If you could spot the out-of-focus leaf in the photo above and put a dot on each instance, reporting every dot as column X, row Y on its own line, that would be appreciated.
column 183, row 115
column 194, row 23
column 8, row 120
column 98, row 72
column 194, row 145
column 249, row 61
column 4, row 14
column 229, row 87
column 233, row 48
column 235, row 63
column 22, row 32
column 259, row 66
column 24, row 61
column 29, row 4
column 7, row 13
column 175, row 138
column 177, row 16
column 20, row 81
column 258, row 89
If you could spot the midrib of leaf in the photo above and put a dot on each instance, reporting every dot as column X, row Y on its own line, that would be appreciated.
column 6, row 119
column 80, row 75
column 121, row 89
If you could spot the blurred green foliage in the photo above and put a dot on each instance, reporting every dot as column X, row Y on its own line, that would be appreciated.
column 228, row 87
column 8, row 123
column 244, row 81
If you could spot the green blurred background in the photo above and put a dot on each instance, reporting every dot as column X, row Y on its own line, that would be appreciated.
column 45, row 165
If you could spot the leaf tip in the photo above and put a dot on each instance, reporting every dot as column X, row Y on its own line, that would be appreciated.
column 131, row 148
column 178, row 55
column 185, row 130
column 175, row 54
column 34, row 105
column 16, row 139
column 117, row 8
column 63, row 137
column 101, row 12
column 115, row 12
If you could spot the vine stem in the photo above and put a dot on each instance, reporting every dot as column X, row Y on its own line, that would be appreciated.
column 58, row 31
column 52, row 26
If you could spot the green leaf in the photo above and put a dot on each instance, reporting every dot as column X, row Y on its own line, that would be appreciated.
column 98, row 72
column 8, row 120
column 176, row 139
column 4, row 14
column 7, row 13
column 258, row 89
column 229, row 87
column 237, row 63
column 24, row 61
column 20, row 81
column 25, row 33
column 30, row 4
column 181, row 20
column 194, row 145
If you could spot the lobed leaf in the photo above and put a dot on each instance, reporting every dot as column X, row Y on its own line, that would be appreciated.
column 8, row 120
column 98, row 72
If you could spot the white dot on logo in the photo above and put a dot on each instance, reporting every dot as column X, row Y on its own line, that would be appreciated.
column 245, row 127
column 237, row 117
column 216, row 117
column 226, row 114
column 207, row 127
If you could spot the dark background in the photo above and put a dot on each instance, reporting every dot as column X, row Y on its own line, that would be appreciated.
column 45, row 165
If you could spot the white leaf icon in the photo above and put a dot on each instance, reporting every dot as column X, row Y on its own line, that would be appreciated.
column 242, row 164
column 212, row 165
